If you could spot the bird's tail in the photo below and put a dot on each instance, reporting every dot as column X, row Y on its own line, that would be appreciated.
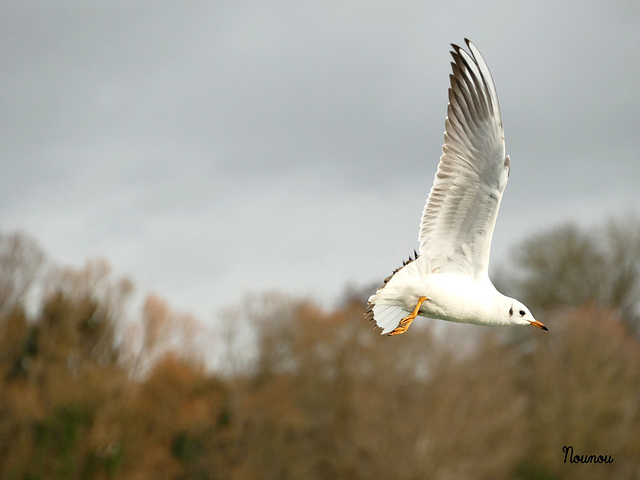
column 381, row 313
column 387, row 317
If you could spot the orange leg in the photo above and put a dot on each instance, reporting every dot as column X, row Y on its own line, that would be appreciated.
column 404, row 324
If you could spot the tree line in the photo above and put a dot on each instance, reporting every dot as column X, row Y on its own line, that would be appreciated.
column 90, row 390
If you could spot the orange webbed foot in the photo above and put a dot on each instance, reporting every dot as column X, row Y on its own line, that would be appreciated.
column 404, row 324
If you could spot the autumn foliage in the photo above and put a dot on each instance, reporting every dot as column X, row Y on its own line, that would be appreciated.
column 282, row 389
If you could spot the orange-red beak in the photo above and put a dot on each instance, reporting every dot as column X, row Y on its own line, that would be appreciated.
column 538, row 324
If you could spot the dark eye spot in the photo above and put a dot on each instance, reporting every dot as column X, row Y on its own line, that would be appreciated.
column 521, row 312
column 511, row 311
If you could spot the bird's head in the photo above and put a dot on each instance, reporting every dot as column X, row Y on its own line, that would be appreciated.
column 518, row 314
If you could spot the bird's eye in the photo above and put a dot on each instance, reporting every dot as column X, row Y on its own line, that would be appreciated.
column 511, row 311
column 521, row 313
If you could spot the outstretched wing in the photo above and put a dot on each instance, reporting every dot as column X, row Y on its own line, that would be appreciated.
column 460, row 214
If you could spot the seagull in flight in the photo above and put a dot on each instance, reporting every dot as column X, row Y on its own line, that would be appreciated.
column 448, row 279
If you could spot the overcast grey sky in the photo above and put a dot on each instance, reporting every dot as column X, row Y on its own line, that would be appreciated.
column 214, row 149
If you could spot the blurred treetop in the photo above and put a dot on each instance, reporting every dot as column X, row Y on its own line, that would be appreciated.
column 93, row 390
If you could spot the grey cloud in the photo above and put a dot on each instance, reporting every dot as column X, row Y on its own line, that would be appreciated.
column 208, row 149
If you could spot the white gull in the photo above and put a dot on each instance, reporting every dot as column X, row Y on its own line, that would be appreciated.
column 449, row 278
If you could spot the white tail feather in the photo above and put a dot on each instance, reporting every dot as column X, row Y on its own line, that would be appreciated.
column 388, row 317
